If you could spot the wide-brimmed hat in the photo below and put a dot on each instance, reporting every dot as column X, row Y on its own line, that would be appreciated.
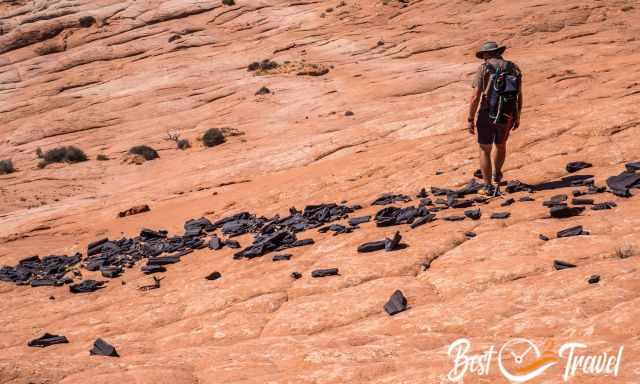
column 491, row 47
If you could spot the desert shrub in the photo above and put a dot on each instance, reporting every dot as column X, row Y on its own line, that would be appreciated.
column 263, row 91
column 39, row 153
column 264, row 65
column 69, row 154
column 6, row 167
column 102, row 157
column 228, row 2
column 145, row 151
column 213, row 137
column 183, row 144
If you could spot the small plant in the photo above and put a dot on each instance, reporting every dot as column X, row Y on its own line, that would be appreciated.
column 263, row 65
column 183, row 144
column 145, row 151
column 86, row 21
column 6, row 167
column 39, row 153
column 263, row 91
column 229, row 2
column 213, row 137
column 102, row 157
column 69, row 154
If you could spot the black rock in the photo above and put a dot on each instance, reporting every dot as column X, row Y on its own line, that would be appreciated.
column 632, row 167
column 543, row 237
column 473, row 214
column 575, row 166
column 86, row 286
column 620, row 184
column 573, row 231
column 390, row 199
column 422, row 193
column 453, row 218
column 603, row 206
column 149, row 269
column 47, row 340
column 324, row 272
column 500, row 215
column 296, row 275
column 359, row 220
column 397, row 303
column 372, row 246
column 424, row 202
column 526, row 198
column 559, row 199
column 423, row 220
column 214, row 276
column 43, row 282
column 111, row 271
column 215, row 243
column 282, row 257
column 594, row 279
column 560, row 265
column 102, row 348
column 232, row 244
column 394, row 243
column 163, row 260
column 460, row 203
column 563, row 211
column 582, row 201
column 470, row 235
column 508, row 202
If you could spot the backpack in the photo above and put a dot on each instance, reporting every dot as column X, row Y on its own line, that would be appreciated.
column 502, row 91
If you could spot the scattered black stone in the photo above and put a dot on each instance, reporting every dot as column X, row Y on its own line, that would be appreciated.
column 473, row 214
column 388, row 198
column 355, row 221
column 233, row 244
column 621, row 184
column 425, row 202
column 397, row 303
column 296, row 275
column 582, row 201
column 526, row 198
column 470, row 235
column 390, row 216
column 47, row 340
column 573, row 231
column 163, row 260
column 282, row 257
column 454, row 218
column 559, row 199
column 45, row 283
column 594, row 279
column 455, row 203
column 86, row 286
column 349, row 113
column 422, row 194
column 508, row 202
column 423, row 220
column 393, row 243
column 565, row 182
column 473, row 186
column 441, row 191
column 560, row 265
column 441, row 201
column 578, row 193
column 102, row 348
column 576, row 166
column 514, row 186
column 593, row 190
column 500, row 215
column 324, row 272
column 214, row 276
column 372, row 246
column 263, row 91
column 543, row 237
column 563, row 211
column 112, row 271
column 49, row 268
column 337, row 229
column 150, row 269
column 603, row 206
column 632, row 167
column 215, row 243
column 438, row 173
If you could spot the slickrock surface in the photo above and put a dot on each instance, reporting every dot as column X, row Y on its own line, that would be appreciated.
column 105, row 75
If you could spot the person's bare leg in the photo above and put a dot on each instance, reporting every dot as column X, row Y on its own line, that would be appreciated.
column 485, row 162
column 501, row 154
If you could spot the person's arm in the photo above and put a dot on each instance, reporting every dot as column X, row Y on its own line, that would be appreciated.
column 476, row 96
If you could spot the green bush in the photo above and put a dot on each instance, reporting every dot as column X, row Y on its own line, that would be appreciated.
column 145, row 151
column 6, row 167
column 213, row 137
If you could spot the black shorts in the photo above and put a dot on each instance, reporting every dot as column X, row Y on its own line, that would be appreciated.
column 490, row 132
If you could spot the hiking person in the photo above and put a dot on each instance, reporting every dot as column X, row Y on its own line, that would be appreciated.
column 497, row 91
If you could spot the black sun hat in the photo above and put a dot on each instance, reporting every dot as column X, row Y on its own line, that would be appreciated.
column 490, row 47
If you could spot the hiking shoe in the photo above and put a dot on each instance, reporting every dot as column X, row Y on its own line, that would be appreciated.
column 487, row 190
